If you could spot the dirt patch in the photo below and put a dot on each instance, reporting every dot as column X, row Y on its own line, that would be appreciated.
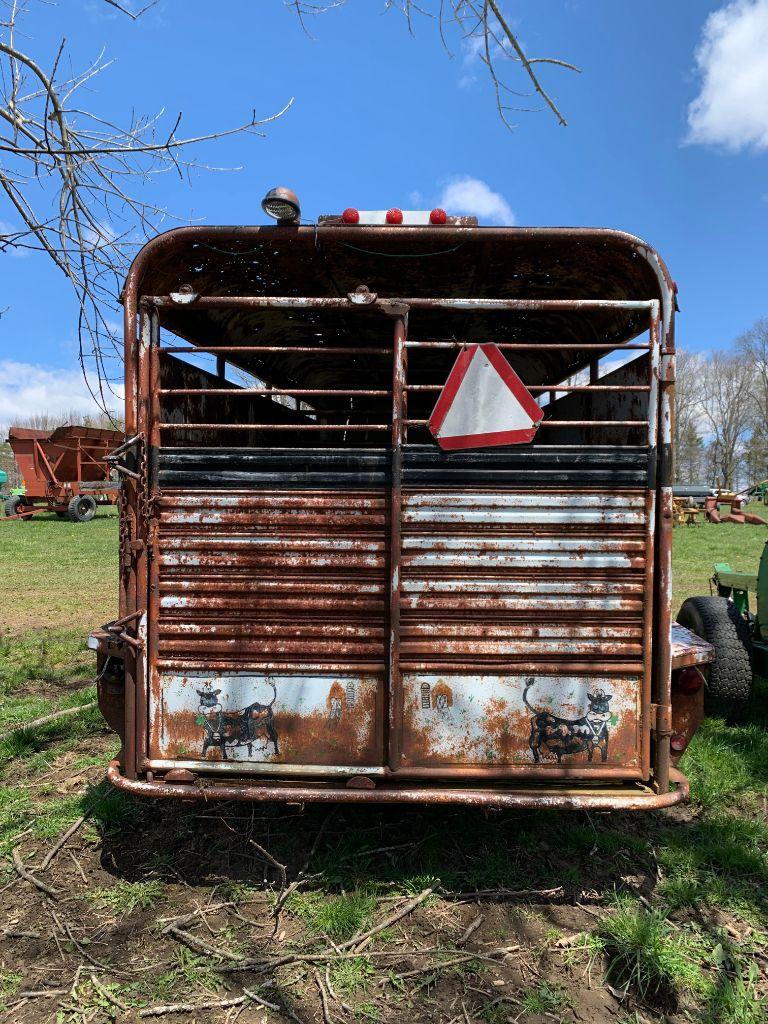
column 493, row 917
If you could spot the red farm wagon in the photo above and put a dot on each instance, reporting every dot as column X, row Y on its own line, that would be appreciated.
column 63, row 472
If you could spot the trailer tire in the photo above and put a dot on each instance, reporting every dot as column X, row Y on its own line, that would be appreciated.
column 729, row 677
column 81, row 508
column 12, row 505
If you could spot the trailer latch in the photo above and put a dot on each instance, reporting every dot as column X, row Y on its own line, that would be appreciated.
column 113, row 458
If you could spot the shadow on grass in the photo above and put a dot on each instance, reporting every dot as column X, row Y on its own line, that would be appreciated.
column 686, row 872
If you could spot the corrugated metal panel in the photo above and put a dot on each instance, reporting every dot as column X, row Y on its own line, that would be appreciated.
column 271, row 578
column 503, row 590
column 271, row 631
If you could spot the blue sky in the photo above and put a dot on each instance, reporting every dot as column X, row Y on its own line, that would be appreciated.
column 380, row 117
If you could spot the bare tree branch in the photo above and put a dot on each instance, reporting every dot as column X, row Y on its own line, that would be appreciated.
column 482, row 21
column 71, row 176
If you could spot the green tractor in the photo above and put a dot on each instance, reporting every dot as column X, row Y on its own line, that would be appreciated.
column 736, row 629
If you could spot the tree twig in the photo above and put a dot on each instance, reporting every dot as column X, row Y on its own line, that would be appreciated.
column 46, row 719
column 22, row 872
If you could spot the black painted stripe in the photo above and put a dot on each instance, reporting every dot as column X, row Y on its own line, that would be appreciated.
column 221, row 468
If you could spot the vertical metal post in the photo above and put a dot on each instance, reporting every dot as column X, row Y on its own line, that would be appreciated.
column 650, row 641
column 398, row 434
column 664, row 552
column 221, row 367
column 150, row 584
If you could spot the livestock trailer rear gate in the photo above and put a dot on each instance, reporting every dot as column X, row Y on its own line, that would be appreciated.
column 317, row 600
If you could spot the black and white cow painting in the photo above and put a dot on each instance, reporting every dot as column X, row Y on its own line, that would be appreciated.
column 565, row 736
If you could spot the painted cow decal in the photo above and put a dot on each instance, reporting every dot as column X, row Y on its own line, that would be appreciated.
column 561, row 736
column 235, row 728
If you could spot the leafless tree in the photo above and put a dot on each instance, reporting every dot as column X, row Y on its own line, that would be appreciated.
column 71, row 177
column 727, row 409
column 753, row 346
column 482, row 25
column 688, row 396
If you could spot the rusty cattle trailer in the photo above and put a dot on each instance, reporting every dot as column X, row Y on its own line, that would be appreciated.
column 319, row 603
column 63, row 472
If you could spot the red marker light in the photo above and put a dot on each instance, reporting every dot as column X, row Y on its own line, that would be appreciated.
column 689, row 680
column 351, row 216
column 394, row 216
column 678, row 743
column 438, row 216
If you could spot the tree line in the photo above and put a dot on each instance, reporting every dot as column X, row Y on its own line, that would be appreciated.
column 721, row 413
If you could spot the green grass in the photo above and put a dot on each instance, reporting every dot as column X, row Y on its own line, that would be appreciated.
column 544, row 998
column 695, row 549
column 338, row 917
column 55, row 656
column 124, row 897
column 351, row 976
column 10, row 983
column 645, row 952
column 58, row 574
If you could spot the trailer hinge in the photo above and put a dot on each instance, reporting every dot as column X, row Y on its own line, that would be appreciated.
column 661, row 719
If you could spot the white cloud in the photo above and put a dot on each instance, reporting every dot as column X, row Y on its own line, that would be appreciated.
column 731, row 109
column 28, row 390
column 473, row 196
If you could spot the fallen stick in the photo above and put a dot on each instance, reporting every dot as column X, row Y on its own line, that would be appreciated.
column 109, row 996
column 506, row 894
column 471, row 929
column 217, row 1004
column 22, row 872
column 54, row 717
column 198, row 946
column 62, row 840
column 388, row 921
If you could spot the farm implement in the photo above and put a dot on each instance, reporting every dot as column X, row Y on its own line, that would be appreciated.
column 736, row 626
column 65, row 472
column 694, row 502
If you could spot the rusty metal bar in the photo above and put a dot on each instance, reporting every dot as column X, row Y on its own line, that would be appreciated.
column 265, row 768
column 649, row 607
column 550, row 387
column 386, row 304
column 315, row 349
column 663, row 682
column 276, row 426
column 275, row 391
column 399, row 370
column 536, row 797
column 532, row 346
column 558, row 423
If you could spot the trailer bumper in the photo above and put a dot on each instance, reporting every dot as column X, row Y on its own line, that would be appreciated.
column 627, row 797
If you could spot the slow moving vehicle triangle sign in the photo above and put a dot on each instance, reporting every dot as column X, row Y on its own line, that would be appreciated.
column 484, row 403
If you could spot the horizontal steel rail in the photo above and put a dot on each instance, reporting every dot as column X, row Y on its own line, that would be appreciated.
column 322, row 350
column 549, row 387
column 564, row 423
column 458, row 304
column 276, row 426
column 288, row 392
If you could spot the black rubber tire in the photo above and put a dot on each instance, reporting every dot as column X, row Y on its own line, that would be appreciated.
column 12, row 505
column 81, row 509
column 729, row 677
